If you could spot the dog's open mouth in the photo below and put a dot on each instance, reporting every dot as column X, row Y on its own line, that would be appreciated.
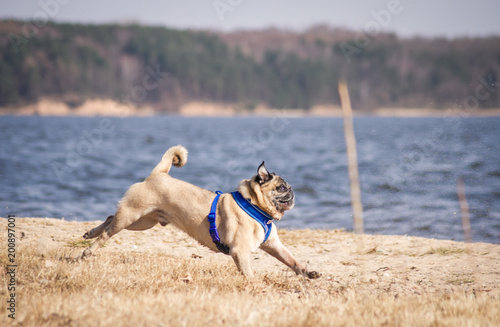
column 285, row 203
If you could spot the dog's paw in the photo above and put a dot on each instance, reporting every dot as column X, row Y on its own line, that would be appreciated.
column 85, row 254
column 73, row 259
column 313, row 274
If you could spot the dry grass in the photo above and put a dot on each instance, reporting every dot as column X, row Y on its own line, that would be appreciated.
column 447, row 250
column 119, row 287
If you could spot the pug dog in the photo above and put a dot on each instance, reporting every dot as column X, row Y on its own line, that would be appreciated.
column 163, row 199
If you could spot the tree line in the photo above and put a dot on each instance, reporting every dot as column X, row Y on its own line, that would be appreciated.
column 277, row 68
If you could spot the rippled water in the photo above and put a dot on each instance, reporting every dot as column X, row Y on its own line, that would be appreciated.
column 78, row 168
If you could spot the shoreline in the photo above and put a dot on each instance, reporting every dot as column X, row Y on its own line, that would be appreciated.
column 111, row 108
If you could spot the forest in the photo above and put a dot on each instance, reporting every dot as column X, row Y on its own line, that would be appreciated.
column 167, row 67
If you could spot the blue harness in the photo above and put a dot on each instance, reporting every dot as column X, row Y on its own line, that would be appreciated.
column 253, row 211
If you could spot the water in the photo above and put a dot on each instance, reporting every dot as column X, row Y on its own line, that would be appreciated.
column 78, row 168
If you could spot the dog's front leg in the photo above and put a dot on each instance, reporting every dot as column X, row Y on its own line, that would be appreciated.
column 242, row 260
column 274, row 247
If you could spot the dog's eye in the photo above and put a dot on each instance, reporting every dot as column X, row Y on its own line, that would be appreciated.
column 282, row 188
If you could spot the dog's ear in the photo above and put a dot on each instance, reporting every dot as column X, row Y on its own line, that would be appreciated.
column 263, row 175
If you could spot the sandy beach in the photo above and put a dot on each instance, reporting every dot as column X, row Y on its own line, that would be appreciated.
column 367, row 280
column 112, row 108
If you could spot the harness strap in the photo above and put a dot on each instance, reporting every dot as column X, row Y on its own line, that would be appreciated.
column 253, row 211
column 213, row 227
column 264, row 219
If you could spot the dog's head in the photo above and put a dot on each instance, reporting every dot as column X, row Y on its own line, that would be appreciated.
column 269, row 192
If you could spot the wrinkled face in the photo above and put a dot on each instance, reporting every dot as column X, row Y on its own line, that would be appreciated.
column 277, row 193
column 284, row 198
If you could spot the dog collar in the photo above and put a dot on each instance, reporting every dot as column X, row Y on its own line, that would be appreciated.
column 264, row 219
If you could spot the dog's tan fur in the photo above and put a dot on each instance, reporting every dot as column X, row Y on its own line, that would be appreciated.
column 163, row 199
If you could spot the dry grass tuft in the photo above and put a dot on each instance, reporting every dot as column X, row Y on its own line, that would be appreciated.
column 126, row 285
column 80, row 243
column 447, row 250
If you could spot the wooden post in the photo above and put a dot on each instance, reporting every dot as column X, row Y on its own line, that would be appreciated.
column 352, row 158
column 464, row 208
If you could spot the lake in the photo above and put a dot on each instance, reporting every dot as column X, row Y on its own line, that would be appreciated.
column 78, row 168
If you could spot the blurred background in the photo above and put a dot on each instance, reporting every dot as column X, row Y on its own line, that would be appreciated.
column 271, row 69
column 279, row 54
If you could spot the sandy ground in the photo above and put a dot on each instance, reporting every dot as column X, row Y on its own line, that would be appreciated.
column 393, row 264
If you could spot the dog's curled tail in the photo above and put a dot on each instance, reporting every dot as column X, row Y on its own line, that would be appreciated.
column 176, row 155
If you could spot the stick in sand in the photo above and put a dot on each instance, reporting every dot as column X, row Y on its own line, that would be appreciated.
column 352, row 158
column 464, row 208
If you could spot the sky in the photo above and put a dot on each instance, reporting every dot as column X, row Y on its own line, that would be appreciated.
column 406, row 18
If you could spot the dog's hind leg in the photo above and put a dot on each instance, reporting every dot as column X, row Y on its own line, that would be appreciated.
column 122, row 219
column 150, row 220
column 93, row 233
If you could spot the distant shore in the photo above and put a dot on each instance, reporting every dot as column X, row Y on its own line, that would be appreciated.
column 112, row 108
